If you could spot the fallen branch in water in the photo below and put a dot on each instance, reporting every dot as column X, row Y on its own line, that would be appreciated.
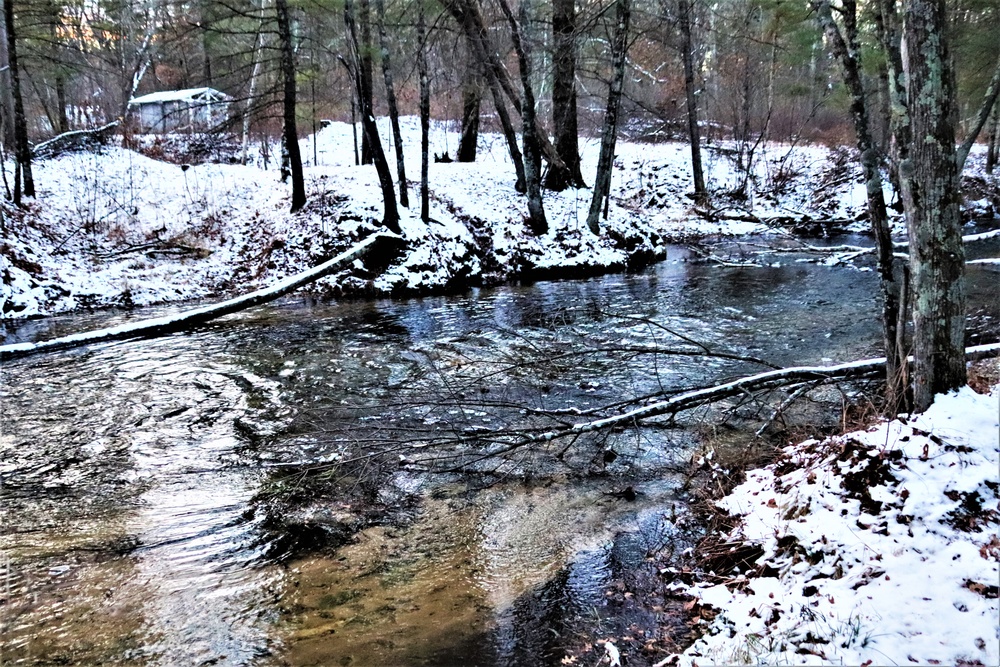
column 850, row 252
column 379, row 245
column 784, row 378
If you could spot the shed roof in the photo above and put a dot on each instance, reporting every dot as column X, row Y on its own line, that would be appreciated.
column 186, row 95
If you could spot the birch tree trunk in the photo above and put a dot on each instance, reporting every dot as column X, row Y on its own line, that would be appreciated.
column 254, row 74
column 602, row 184
column 290, row 136
column 930, row 183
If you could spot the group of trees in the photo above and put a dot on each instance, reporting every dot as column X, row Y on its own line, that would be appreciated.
column 878, row 73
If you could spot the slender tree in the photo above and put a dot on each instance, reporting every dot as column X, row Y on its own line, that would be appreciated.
column 425, row 112
column 468, row 15
column 366, row 92
column 843, row 41
column 532, row 154
column 390, row 216
column 290, row 137
column 991, row 141
column 602, row 183
column 989, row 101
column 24, row 182
column 390, row 96
column 691, row 96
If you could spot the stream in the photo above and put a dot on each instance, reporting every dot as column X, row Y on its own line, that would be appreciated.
column 215, row 498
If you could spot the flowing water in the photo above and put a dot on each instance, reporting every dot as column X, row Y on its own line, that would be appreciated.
column 158, row 504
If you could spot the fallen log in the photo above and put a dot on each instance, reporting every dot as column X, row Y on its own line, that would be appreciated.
column 75, row 140
column 377, row 247
column 769, row 380
column 786, row 377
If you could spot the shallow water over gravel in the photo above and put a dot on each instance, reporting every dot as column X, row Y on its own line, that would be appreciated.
column 137, row 479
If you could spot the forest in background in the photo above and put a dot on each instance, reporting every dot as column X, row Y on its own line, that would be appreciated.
column 761, row 68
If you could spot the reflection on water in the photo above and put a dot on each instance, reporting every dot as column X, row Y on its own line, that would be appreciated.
column 131, row 474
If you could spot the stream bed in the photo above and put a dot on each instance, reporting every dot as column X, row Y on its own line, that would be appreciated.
column 260, row 492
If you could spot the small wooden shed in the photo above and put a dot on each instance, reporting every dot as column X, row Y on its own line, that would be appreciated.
column 189, row 110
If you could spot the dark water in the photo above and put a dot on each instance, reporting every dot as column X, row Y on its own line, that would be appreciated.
column 145, row 485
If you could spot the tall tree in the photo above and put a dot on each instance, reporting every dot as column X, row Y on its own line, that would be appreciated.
column 930, row 183
column 991, row 141
column 425, row 112
column 468, row 15
column 605, row 162
column 472, row 99
column 843, row 40
column 390, row 97
column 564, row 111
column 390, row 217
column 24, row 182
column 691, row 96
column 532, row 153
column 366, row 91
column 290, row 137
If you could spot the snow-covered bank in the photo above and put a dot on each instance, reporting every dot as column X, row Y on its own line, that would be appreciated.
column 117, row 228
column 876, row 547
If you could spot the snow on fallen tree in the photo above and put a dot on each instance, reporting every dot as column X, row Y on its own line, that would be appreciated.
column 75, row 140
column 800, row 379
column 377, row 246
column 866, row 368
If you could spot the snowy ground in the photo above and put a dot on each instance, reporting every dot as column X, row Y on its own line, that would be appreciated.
column 119, row 228
column 878, row 547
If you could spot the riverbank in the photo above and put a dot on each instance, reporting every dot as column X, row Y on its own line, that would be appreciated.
column 121, row 229
column 878, row 546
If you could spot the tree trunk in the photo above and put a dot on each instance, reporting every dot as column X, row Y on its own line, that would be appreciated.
column 532, row 157
column 390, row 216
column 390, row 97
column 930, row 182
column 564, row 114
column 22, row 152
column 694, row 134
column 845, row 48
column 207, row 20
column 989, row 100
column 472, row 98
column 379, row 246
column 887, row 29
column 61, row 102
column 991, row 149
column 469, row 17
column 290, row 137
column 258, row 39
column 366, row 92
column 6, row 92
column 425, row 113
column 58, row 60
column 602, row 184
